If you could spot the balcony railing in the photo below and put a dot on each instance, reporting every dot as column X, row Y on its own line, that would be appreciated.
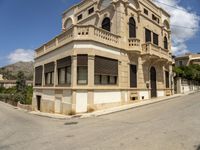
column 78, row 32
column 154, row 50
column 134, row 44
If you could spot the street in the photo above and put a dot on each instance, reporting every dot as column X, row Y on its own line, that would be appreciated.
column 169, row 125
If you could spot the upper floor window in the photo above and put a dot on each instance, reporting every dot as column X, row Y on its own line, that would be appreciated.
column 91, row 10
column 146, row 11
column 180, row 63
column 155, row 18
column 147, row 35
column 79, row 17
column 155, row 38
column 132, row 28
column 106, row 24
column 165, row 43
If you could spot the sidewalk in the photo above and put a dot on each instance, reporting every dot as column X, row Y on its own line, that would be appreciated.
column 110, row 110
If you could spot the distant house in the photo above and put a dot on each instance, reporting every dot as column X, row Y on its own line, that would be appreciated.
column 11, row 83
column 187, row 59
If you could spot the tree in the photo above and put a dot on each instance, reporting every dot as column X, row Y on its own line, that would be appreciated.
column 21, row 87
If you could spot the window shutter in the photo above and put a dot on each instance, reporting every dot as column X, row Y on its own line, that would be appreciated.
column 167, row 79
column 147, row 35
column 49, row 67
column 155, row 38
column 82, row 60
column 65, row 62
column 106, row 66
column 38, row 75
column 133, row 76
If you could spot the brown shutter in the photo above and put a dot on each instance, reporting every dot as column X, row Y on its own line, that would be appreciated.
column 106, row 66
column 82, row 60
column 133, row 76
column 38, row 75
column 167, row 79
column 62, row 63
column 49, row 67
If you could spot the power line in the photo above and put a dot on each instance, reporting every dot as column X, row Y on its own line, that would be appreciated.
column 174, row 7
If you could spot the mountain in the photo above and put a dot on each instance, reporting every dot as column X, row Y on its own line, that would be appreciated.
column 10, row 72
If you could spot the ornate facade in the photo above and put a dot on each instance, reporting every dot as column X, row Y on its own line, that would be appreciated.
column 110, row 53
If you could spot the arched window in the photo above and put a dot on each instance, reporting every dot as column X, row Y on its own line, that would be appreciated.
column 165, row 43
column 106, row 24
column 68, row 23
column 132, row 28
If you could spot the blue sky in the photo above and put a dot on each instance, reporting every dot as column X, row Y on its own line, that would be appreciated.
column 26, row 24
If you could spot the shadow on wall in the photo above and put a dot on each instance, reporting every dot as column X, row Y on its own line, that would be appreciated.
column 197, row 147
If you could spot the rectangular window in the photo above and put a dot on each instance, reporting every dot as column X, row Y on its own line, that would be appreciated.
column 82, row 69
column 91, row 10
column 133, row 76
column 167, row 79
column 79, row 17
column 49, row 78
column 146, row 11
column 38, row 76
column 106, row 71
column 180, row 63
column 64, row 70
column 147, row 35
column 155, row 38
column 49, row 73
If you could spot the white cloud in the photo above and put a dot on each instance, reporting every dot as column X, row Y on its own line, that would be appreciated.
column 24, row 55
column 180, row 17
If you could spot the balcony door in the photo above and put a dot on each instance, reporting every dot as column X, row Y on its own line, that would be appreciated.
column 153, row 82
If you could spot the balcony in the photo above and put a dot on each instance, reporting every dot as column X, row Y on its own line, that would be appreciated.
column 134, row 45
column 77, row 33
column 156, row 51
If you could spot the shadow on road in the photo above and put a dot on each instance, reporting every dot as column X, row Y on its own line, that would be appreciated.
column 70, row 123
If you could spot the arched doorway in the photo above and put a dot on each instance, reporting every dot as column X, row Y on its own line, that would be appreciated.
column 153, row 82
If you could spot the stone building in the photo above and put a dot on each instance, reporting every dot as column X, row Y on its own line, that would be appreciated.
column 110, row 53
column 187, row 59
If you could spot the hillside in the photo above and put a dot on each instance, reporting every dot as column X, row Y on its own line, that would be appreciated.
column 10, row 72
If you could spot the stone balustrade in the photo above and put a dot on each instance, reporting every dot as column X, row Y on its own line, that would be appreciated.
column 154, row 50
column 134, row 44
column 78, row 32
column 92, row 33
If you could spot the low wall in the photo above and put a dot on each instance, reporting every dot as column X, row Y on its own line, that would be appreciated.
column 184, row 86
column 25, row 107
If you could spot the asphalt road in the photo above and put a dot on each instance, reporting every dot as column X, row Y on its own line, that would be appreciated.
column 168, row 125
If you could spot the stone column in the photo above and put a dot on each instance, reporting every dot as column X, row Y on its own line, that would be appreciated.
column 74, row 82
column 55, row 75
column 91, row 82
column 43, row 76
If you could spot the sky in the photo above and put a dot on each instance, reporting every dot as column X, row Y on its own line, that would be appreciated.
column 26, row 24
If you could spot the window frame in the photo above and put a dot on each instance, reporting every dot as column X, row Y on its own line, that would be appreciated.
column 82, row 65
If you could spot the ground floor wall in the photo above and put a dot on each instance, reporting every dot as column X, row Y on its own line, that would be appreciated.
column 71, row 102
column 137, row 83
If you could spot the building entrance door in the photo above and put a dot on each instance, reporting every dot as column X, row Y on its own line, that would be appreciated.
column 153, row 82
column 38, row 102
